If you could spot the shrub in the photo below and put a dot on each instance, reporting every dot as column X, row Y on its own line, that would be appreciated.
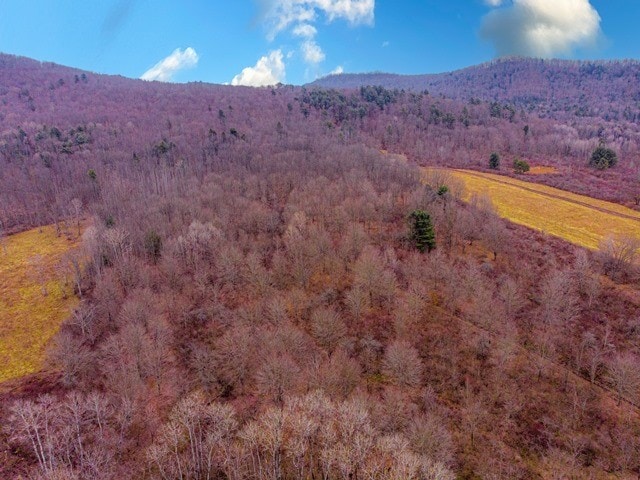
column 603, row 158
column 520, row 166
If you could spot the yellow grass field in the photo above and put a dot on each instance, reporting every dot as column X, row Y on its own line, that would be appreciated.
column 28, row 316
column 582, row 220
column 542, row 170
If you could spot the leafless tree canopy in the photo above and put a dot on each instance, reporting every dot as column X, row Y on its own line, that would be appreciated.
column 252, row 307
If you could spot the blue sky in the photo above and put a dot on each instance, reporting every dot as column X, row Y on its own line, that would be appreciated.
column 264, row 41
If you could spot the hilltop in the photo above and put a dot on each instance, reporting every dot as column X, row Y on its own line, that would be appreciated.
column 558, row 88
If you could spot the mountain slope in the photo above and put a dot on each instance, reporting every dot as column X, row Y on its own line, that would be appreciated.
column 254, row 306
column 610, row 90
column 56, row 123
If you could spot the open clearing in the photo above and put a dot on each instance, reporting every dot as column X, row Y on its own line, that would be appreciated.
column 582, row 220
column 542, row 170
column 34, row 298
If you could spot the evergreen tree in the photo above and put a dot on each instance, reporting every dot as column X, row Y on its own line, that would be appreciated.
column 603, row 158
column 422, row 233
column 494, row 161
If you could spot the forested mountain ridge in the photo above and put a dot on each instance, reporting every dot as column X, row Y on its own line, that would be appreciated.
column 267, row 293
column 556, row 88
column 51, row 114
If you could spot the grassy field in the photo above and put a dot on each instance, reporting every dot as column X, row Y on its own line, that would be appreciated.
column 581, row 220
column 33, row 298
column 542, row 170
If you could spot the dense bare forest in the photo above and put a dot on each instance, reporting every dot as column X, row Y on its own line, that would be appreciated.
column 560, row 89
column 254, row 306
column 57, row 123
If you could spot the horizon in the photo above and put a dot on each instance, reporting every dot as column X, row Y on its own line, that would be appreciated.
column 490, row 62
column 277, row 41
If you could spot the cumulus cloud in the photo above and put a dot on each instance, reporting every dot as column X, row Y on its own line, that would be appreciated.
column 339, row 70
column 312, row 52
column 299, row 16
column 541, row 28
column 269, row 70
column 281, row 14
column 165, row 69
column 355, row 11
column 305, row 30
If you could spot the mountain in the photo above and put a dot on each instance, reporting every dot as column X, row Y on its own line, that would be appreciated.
column 558, row 88
column 57, row 122
column 255, row 304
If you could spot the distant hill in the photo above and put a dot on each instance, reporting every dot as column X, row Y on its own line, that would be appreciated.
column 59, row 123
column 606, row 89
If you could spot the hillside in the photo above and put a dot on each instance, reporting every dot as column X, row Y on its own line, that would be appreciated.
column 558, row 88
column 53, row 114
column 272, row 289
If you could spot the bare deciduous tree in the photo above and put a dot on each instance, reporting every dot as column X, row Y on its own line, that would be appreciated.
column 76, row 211
column 558, row 299
column 69, row 354
column 402, row 364
column 624, row 375
column 357, row 301
column 371, row 276
column 495, row 235
column 617, row 254
column 328, row 328
column 339, row 375
column 276, row 376
column 586, row 281
column 196, row 442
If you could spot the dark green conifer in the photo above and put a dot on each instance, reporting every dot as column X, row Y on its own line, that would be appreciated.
column 423, row 235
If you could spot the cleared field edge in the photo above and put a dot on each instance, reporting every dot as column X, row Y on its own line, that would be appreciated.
column 544, row 189
column 579, row 220
column 35, row 297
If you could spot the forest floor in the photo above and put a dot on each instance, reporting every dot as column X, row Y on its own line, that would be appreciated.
column 36, row 296
column 579, row 219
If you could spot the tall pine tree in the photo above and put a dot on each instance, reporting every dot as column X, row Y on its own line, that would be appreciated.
column 423, row 235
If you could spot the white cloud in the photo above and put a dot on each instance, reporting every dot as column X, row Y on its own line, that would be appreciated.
column 164, row 70
column 305, row 30
column 283, row 13
column 269, row 70
column 542, row 28
column 494, row 3
column 312, row 52
column 299, row 17
column 339, row 70
column 355, row 11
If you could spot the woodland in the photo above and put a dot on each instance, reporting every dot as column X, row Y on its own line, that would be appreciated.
column 262, row 297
